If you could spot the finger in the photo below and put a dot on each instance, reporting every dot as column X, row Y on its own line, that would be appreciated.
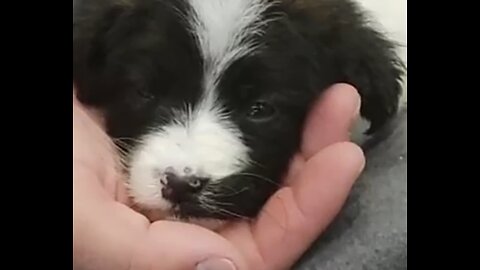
column 296, row 215
column 296, row 166
column 180, row 246
column 94, row 151
column 105, row 232
column 330, row 119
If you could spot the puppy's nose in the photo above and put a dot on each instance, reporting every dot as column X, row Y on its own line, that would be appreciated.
column 181, row 188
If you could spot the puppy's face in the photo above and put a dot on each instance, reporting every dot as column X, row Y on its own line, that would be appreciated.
column 208, row 100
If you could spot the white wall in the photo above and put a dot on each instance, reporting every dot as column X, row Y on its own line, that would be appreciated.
column 391, row 14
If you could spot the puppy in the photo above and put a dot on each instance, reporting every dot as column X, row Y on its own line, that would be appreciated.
column 206, row 99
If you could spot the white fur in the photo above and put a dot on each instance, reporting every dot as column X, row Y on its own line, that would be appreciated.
column 206, row 144
column 224, row 30
column 204, row 140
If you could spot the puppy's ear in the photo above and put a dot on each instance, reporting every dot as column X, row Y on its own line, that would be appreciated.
column 354, row 52
column 92, row 20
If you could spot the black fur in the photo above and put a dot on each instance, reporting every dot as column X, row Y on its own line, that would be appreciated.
column 135, row 60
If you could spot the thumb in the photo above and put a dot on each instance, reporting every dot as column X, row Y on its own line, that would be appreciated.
column 179, row 246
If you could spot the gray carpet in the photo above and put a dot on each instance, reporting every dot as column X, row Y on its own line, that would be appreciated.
column 371, row 232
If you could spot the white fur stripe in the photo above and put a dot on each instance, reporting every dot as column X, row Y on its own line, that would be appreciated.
column 224, row 30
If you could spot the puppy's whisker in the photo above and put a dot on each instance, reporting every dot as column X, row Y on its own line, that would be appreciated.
column 218, row 203
column 125, row 139
column 222, row 195
column 123, row 155
column 208, row 205
column 257, row 163
column 212, row 204
column 122, row 151
column 122, row 158
column 233, row 214
column 256, row 176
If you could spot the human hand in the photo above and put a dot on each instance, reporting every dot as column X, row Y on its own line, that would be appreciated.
column 110, row 235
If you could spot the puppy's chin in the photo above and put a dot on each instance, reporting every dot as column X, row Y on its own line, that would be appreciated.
column 207, row 223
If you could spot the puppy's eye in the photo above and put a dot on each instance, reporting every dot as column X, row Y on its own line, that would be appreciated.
column 261, row 111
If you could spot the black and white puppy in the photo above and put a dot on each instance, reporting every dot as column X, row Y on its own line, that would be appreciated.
column 207, row 98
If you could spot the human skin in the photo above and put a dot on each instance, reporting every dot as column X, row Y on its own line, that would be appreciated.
column 109, row 234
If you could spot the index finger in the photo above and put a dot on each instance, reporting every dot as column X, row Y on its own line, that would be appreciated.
column 294, row 217
column 330, row 119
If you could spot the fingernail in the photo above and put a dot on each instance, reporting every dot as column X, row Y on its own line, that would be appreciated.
column 354, row 121
column 361, row 169
column 216, row 264
column 356, row 112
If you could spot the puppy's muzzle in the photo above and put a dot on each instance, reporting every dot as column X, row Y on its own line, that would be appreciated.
column 178, row 189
